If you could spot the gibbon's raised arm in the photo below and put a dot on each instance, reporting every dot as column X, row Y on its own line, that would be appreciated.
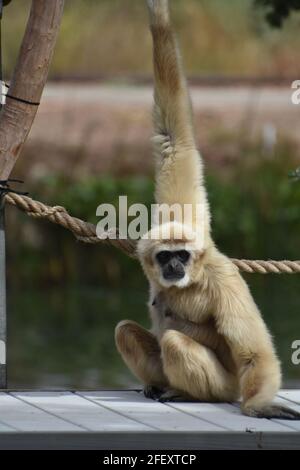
column 179, row 177
column 172, row 111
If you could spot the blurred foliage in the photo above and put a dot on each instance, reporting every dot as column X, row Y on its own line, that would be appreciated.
column 257, row 213
column 279, row 10
column 63, row 337
column 110, row 37
column 83, row 196
column 295, row 175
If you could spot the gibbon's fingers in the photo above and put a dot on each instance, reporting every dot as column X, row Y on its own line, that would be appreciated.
column 272, row 411
column 153, row 392
column 141, row 353
column 172, row 395
column 195, row 370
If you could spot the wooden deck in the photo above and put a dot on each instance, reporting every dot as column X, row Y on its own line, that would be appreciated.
column 127, row 420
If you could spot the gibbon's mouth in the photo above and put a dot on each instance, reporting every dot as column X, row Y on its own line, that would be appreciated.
column 179, row 282
column 173, row 276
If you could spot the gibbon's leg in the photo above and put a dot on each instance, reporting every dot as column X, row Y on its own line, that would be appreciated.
column 240, row 322
column 195, row 371
column 141, row 353
column 260, row 381
column 179, row 174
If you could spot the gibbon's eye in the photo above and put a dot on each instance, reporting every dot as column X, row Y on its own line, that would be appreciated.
column 183, row 256
column 163, row 257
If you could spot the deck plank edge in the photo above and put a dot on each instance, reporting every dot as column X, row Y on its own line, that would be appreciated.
column 150, row 441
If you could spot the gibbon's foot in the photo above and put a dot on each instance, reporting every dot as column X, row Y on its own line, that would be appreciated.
column 273, row 411
column 152, row 392
column 172, row 396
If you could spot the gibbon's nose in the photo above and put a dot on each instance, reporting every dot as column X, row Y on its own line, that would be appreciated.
column 173, row 270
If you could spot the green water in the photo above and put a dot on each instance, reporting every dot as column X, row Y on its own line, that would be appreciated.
column 63, row 337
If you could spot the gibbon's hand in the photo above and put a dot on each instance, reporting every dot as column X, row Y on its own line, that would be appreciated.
column 172, row 395
column 152, row 392
column 164, row 395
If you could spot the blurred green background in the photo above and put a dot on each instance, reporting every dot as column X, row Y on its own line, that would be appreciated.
column 217, row 37
column 90, row 144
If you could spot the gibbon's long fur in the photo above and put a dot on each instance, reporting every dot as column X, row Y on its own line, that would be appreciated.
column 208, row 341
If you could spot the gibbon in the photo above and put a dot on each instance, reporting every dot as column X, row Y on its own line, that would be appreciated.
column 208, row 341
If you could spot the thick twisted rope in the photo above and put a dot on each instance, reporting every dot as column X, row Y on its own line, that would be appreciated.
column 86, row 232
column 83, row 231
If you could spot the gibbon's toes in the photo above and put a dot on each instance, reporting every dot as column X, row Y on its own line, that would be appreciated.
column 172, row 396
column 273, row 411
column 152, row 392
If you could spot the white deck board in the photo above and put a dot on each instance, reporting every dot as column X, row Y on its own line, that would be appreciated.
column 229, row 416
column 150, row 412
column 282, row 401
column 5, row 428
column 127, row 420
column 81, row 412
column 292, row 395
column 23, row 417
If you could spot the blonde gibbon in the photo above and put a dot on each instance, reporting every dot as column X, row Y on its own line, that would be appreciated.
column 208, row 341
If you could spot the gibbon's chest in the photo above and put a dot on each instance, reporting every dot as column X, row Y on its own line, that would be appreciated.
column 190, row 304
column 203, row 330
column 169, row 311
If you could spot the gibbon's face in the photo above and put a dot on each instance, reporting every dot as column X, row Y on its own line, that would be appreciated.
column 170, row 262
column 173, row 265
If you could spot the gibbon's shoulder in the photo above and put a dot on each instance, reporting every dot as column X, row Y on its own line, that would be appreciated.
column 220, row 270
column 226, row 282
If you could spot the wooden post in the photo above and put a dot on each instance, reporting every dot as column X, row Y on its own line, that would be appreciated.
column 3, row 371
column 29, row 78
column 17, row 115
column 3, row 374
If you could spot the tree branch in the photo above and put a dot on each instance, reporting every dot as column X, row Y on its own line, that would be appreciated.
column 28, row 80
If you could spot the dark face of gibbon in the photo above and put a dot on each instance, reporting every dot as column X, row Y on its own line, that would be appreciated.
column 173, row 264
